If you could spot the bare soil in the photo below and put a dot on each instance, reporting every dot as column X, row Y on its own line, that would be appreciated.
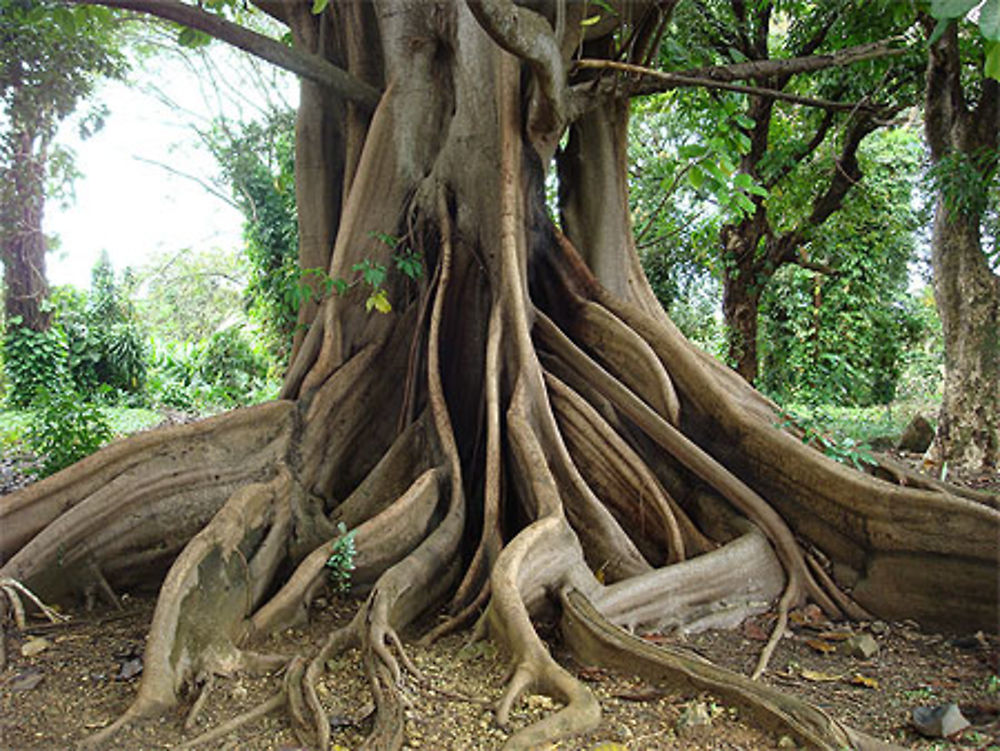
column 88, row 673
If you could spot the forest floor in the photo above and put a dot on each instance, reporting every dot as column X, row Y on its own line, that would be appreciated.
column 63, row 683
column 87, row 673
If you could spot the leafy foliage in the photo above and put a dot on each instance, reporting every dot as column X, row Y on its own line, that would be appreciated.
column 258, row 162
column 223, row 370
column 34, row 362
column 341, row 560
column 189, row 294
column 840, row 339
column 65, row 428
column 106, row 343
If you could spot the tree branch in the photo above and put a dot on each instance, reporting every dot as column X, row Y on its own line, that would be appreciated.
column 528, row 35
column 799, row 154
column 309, row 66
column 657, row 81
column 793, row 65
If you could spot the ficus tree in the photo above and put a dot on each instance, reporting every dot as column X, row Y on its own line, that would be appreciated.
column 524, row 415
column 49, row 63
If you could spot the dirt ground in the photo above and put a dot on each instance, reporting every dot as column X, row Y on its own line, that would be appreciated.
column 87, row 672
column 63, row 683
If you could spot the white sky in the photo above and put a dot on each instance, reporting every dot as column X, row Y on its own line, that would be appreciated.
column 134, row 209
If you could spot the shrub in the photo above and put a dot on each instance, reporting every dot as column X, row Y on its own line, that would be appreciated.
column 33, row 361
column 65, row 428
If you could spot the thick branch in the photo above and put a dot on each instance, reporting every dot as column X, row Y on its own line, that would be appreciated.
column 757, row 69
column 656, row 81
column 528, row 35
column 584, row 97
column 308, row 66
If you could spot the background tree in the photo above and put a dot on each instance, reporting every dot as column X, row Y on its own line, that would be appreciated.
column 797, row 163
column 516, row 418
column 258, row 162
column 962, row 126
column 49, row 64
column 840, row 338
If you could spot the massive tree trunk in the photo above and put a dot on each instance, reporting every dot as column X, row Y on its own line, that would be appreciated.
column 525, row 430
column 22, row 243
column 966, row 290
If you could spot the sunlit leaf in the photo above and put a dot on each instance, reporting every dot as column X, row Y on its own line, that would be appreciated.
column 989, row 20
column 378, row 300
column 863, row 680
column 992, row 67
column 817, row 676
column 319, row 6
column 952, row 8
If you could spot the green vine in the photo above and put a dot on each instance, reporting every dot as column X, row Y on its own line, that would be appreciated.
column 341, row 560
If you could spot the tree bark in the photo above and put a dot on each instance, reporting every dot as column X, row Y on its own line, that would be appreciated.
column 967, row 294
column 22, row 243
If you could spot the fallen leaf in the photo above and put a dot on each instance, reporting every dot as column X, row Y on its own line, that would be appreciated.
column 35, row 645
column 817, row 677
column 863, row 680
column 810, row 616
column 819, row 645
column 753, row 631
column 27, row 680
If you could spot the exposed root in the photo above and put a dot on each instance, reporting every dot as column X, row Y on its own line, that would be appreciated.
column 460, row 619
column 199, row 704
column 263, row 709
column 10, row 602
column 13, row 590
column 596, row 641
column 781, row 623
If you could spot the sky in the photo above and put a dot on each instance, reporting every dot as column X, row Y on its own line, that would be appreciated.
column 127, row 203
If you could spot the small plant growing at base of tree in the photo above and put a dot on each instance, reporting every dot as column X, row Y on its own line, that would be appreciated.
column 341, row 560
column 65, row 429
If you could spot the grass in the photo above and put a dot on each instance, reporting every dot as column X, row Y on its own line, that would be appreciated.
column 865, row 426
column 124, row 421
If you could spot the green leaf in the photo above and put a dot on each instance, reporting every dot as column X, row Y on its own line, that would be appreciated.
column 378, row 300
column 590, row 21
column 192, row 38
column 696, row 177
column 691, row 151
column 743, row 181
column 319, row 6
column 952, row 8
column 939, row 29
column 744, row 122
column 989, row 20
column 992, row 67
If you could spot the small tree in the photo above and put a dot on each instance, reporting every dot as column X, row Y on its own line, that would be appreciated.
column 49, row 63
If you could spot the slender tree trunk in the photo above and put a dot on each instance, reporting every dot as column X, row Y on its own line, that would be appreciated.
column 22, row 243
column 967, row 293
column 741, row 297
